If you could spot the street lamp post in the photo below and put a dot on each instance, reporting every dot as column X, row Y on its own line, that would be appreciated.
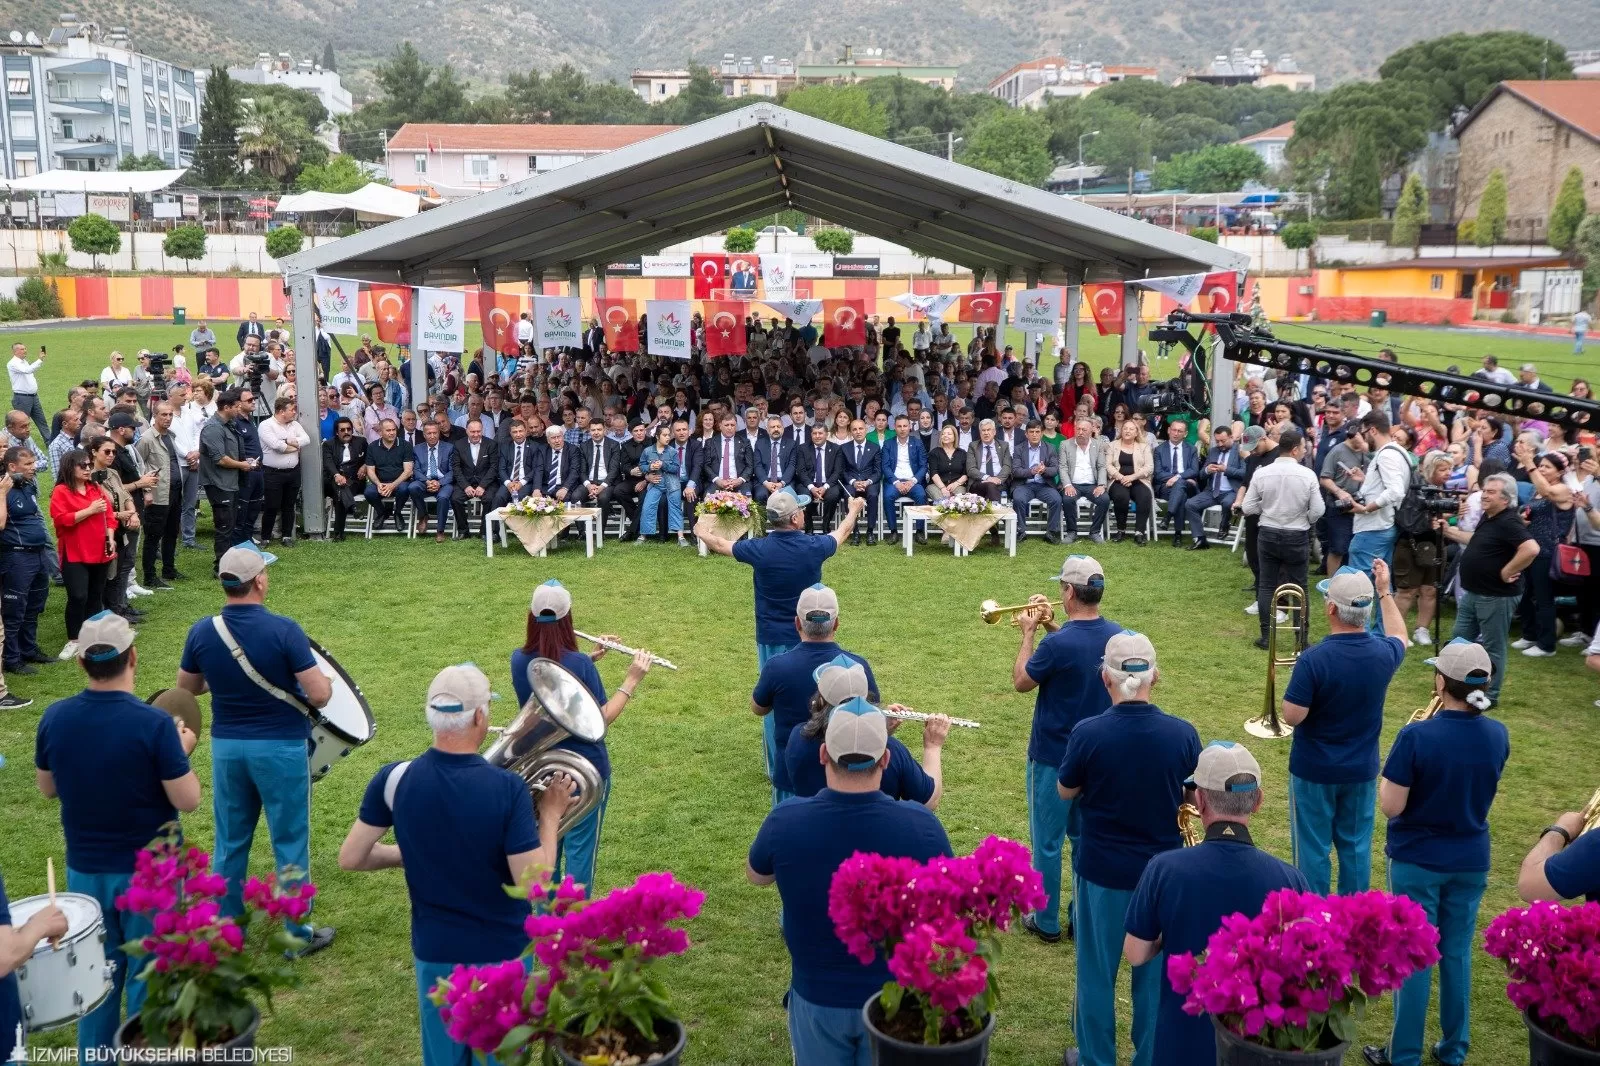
column 1081, row 138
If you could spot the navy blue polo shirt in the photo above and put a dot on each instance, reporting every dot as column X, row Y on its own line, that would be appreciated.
column 802, row 843
column 785, row 562
column 903, row 778
column 1131, row 763
column 582, row 667
column 11, row 994
column 24, row 524
column 786, row 686
column 109, row 752
column 277, row 647
column 1181, row 900
column 1452, row 764
column 249, row 438
column 1066, row 667
column 1343, row 681
column 1575, row 870
column 456, row 818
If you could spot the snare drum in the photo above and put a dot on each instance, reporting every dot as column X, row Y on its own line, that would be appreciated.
column 62, row 984
column 344, row 724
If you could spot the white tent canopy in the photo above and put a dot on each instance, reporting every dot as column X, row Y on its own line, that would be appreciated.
column 101, row 181
column 373, row 199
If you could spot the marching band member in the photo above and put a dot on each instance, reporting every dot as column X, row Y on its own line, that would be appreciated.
column 17, row 944
column 1438, row 784
column 1335, row 702
column 550, row 637
column 1184, row 894
column 116, row 793
column 463, row 831
column 800, row 846
column 787, row 682
column 1564, row 864
column 1065, row 669
column 1127, row 768
column 838, row 680
column 251, row 659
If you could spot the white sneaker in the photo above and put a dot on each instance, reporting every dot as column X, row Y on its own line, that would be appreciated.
column 1574, row 640
column 1282, row 617
column 1521, row 645
column 1422, row 637
column 1253, row 609
column 69, row 652
column 136, row 589
column 1536, row 652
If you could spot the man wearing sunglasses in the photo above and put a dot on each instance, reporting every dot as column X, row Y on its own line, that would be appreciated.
column 344, row 455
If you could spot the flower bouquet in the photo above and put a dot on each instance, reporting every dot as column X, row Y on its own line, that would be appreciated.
column 587, row 988
column 964, row 503
column 965, row 517
column 536, row 520
column 935, row 924
column 1297, row 976
column 729, row 515
column 539, row 506
column 1552, row 957
column 202, row 985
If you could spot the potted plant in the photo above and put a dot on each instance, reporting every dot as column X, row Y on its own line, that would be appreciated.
column 204, row 978
column 1290, row 985
column 587, row 990
column 936, row 924
column 1552, row 957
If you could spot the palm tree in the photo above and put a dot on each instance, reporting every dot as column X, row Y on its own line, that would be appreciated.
column 272, row 136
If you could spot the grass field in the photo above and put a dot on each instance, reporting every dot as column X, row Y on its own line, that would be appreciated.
column 688, row 793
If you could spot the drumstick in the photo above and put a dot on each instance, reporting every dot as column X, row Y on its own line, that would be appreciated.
column 50, row 877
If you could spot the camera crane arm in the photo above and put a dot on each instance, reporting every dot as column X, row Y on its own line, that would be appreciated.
column 1244, row 342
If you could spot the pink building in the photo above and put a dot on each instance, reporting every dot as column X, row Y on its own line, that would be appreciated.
column 455, row 160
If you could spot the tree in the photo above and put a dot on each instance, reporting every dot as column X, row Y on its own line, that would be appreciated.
column 216, row 153
column 37, row 298
column 1568, row 211
column 702, row 98
column 845, row 105
column 1301, row 237
column 1204, row 233
column 1587, row 246
column 1459, row 69
column 303, row 101
column 185, row 242
column 566, row 95
column 341, row 173
column 1492, row 211
column 284, row 241
column 412, row 91
column 836, row 241
column 1410, row 214
column 148, row 161
column 1013, row 144
column 1354, row 138
column 739, row 239
column 276, row 139
column 94, row 236
column 327, row 57
column 1216, row 168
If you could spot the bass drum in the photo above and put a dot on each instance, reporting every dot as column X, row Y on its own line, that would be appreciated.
column 62, row 984
column 344, row 724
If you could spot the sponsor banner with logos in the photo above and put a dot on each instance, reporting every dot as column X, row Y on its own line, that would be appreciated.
column 664, row 266
column 856, row 266
column 813, row 265
column 668, row 327
column 444, row 320
column 557, row 322
column 1037, row 310
column 336, row 302
column 625, row 268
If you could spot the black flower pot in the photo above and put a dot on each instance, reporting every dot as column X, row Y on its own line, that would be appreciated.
column 131, row 1030
column 1547, row 1049
column 892, row 1051
column 1235, row 1050
column 673, row 1031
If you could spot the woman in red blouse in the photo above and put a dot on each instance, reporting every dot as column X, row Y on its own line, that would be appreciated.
column 1078, row 386
column 85, row 525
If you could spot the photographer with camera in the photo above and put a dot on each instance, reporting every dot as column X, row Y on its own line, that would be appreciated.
column 1419, row 555
column 1383, row 488
column 1550, row 518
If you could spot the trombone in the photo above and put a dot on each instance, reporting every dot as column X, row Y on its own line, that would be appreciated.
column 1290, row 599
column 993, row 614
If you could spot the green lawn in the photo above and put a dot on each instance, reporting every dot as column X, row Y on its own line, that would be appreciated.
column 688, row 791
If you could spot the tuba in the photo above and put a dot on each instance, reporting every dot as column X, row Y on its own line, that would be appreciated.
column 560, row 707
column 1189, row 825
column 1291, row 600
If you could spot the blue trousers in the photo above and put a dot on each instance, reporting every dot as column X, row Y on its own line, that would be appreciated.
column 441, row 503
column 769, row 727
column 1100, row 914
column 827, row 1036
column 100, row 1025
column 1451, row 900
column 1051, row 820
column 578, row 849
column 918, row 496
column 1487, row 620
column 669, row 488
column 1365, row 547
column 26, row 575
column 1337, row 817
column 437, row 1047
column 1177, row 498
column 248, row 777
column 406, row 490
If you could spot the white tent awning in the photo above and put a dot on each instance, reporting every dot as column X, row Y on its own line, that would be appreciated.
column 102, row 181
column 380, row 201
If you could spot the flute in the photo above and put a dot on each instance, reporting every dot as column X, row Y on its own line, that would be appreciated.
column 623, row 648
column 918, row 716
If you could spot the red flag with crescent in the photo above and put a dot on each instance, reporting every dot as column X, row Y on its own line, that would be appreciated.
column 620, row 319
column 725, row 327
column 844, row 323
column 708, row 269
column 1105, row 302
column 982, row 308
column 391, row 312
column 1221, row 292
column 497, row 314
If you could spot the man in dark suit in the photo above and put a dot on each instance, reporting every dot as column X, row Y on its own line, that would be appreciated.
column 1177, row 474
column 988, row 463
column 798, row 432
column 820, row 468
column 476, row 472
column 593, row 338
column 905, row 472
column 1033, row 477
column 559, row 474
column 343, row 457
column 519, row 466
column 630, row 483
column 251, row 327
column 727, row 463
column 1013, row 428
column 597, row 460
column 1219, row 482
column 449, row 432
column 435, row 474
column 774, row 461
column 863, row 475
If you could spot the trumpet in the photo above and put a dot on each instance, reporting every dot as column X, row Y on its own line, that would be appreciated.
column 992, row 613
column 623, row 648
column 1291, row 600
column 909, row 715
column 1189, row 825
column 1591, row 812
column 1422, row 714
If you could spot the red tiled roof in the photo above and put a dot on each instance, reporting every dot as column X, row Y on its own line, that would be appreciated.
column 1276, row 133
column 1575, row 103
column 532, row 137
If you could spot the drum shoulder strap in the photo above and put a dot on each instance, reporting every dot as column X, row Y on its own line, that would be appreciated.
column 249, row 668
column 392, row 783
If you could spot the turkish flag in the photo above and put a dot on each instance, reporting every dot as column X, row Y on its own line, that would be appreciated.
column 1221, row 292
column 1105, row 302
column 725, row 327
column 391, row 311
column 982, row 308
column 497, row 314
column 621, row 321
column 844, row 323
column 708, row 269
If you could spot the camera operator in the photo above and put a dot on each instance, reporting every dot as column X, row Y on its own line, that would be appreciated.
column 1418, row 550
column 1496, row 554
column 1383, row 487
column 256, row 371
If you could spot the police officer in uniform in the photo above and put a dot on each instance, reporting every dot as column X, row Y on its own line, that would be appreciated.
column 259, row 742
column 24, row 563
column 252, row 483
